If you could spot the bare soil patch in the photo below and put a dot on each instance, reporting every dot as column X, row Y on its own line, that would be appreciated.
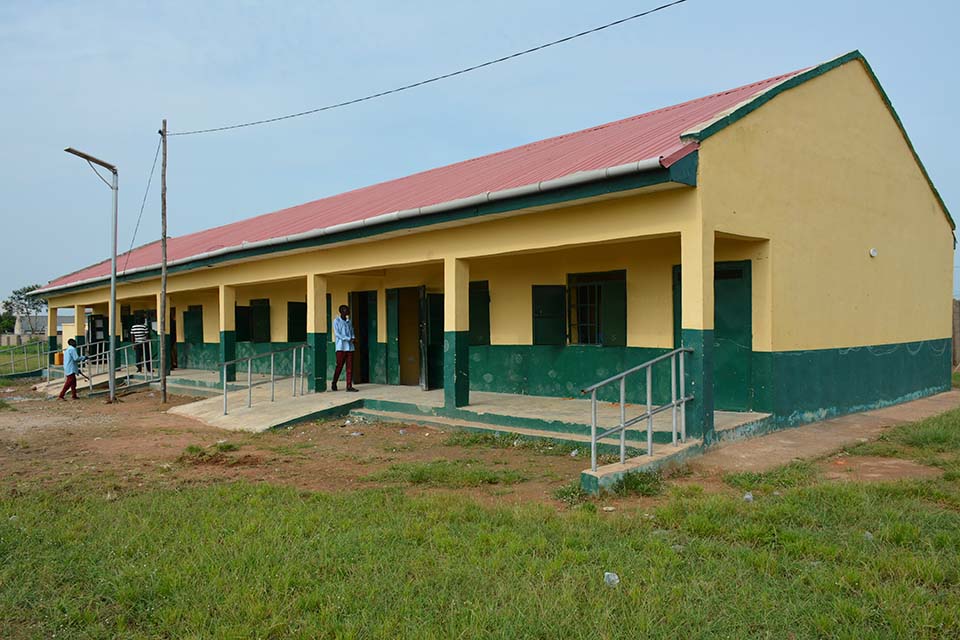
column 875, row 469
column 135, row 443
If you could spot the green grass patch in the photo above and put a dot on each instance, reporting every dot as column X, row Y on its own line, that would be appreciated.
column 195, row 454
column 6, row 406
column 448, row 473
column 955, row 377
column 639, row 483
column 571, row 494
column 934, row 441
column 788, row 476
column 262, row 561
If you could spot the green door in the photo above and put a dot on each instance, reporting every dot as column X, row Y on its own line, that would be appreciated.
column 732, row 334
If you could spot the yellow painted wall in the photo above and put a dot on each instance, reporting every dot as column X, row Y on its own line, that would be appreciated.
column 613, row 219
column 648, row 263
column 210, row 300
column 279, row 293
column 824, row 172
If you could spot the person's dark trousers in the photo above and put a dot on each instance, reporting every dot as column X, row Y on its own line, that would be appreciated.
column 71, row 384
column 140, row 350
column 343, row 357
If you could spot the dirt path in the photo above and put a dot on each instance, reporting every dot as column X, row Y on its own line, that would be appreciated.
column 820, row 438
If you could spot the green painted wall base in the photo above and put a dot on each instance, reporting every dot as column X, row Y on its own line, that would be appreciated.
column 203, row 355
column 806, row 386
column 52, row 346
column 228, row 352
column 699, row 381
column 456, row 369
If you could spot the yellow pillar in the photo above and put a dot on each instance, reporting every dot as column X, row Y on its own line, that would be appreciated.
column 317, row 330
column 456, row 333
column 52, row 332
column 228, row 329
column 696, row 281
column 80, row 322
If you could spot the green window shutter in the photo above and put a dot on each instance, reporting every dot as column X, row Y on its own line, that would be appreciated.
column 479, row 313
column 242, row 323
column 296, row 322
column 549, row 314
column 613, row 313
column 260, row 320
column 193, row 325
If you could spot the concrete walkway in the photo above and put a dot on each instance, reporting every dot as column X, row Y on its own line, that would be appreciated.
column 264, row 414
column 820, row 438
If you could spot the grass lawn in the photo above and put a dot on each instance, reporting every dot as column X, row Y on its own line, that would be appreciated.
column 12, row 362
column 806, row 558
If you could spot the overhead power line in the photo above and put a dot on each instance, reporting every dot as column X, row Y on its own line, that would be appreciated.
column 406, row 87
column 142, row 205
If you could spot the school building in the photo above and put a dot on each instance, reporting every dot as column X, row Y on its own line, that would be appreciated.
column 786, row 232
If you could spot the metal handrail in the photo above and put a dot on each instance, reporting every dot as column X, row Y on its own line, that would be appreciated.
column 302, row 348
column 621, row 428
column 30, row 350
column 97, row 362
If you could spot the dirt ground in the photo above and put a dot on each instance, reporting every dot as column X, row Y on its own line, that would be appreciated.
column 134, row 444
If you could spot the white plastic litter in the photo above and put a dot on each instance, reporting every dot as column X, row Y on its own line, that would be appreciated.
column 609, row 509
column 355, row 434
column 868, row 536
column 748, row 497
column 403, row 432
column 575, row 453
column 611, row 579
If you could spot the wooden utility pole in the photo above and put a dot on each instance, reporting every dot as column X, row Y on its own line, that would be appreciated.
column 163, row 266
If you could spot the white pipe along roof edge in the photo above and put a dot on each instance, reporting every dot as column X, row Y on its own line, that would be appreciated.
column 580, row 177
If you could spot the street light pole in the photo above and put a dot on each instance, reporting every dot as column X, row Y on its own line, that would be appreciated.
column 115, row 187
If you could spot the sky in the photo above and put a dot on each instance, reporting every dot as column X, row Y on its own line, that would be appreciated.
column 100, row 76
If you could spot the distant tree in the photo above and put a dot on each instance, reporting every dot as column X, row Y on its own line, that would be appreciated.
column 7, row 322
column 25, row 306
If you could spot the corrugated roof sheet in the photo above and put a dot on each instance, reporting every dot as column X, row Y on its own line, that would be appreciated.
column 649, row 135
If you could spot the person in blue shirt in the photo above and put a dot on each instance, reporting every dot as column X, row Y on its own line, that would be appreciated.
column 71, row 367
column 346, row 344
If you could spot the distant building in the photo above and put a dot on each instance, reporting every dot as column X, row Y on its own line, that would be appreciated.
column 785, row 231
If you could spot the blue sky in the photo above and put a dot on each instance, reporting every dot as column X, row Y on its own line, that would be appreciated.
column 99, row 76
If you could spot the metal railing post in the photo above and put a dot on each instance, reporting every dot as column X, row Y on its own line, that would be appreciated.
column 273, row 358
column 593, row 430
column 649, row 411
column 623, row 420
column 303, row 377
column 683, row 396
column 249, row 383
column 673, row 396
column 293, row 371
column 126, row 365
column 224, row 373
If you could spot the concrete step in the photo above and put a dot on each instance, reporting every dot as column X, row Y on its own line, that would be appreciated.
column 481, row 427
column 606, row 476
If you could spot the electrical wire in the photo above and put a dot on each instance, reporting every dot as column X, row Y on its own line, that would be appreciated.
column 100, row 176
column 380, row 94
column 156, row 154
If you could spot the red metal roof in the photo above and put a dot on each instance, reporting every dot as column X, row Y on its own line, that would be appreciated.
column 649, row 135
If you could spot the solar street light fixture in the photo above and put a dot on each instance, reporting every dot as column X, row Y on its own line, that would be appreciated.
column 112, row 358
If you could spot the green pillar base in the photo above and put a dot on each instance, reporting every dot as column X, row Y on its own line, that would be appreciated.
column 317, row 355
column 699, row 382
column 52, row 347
column 228, row 351
column 456, row 369
column 80, row 340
